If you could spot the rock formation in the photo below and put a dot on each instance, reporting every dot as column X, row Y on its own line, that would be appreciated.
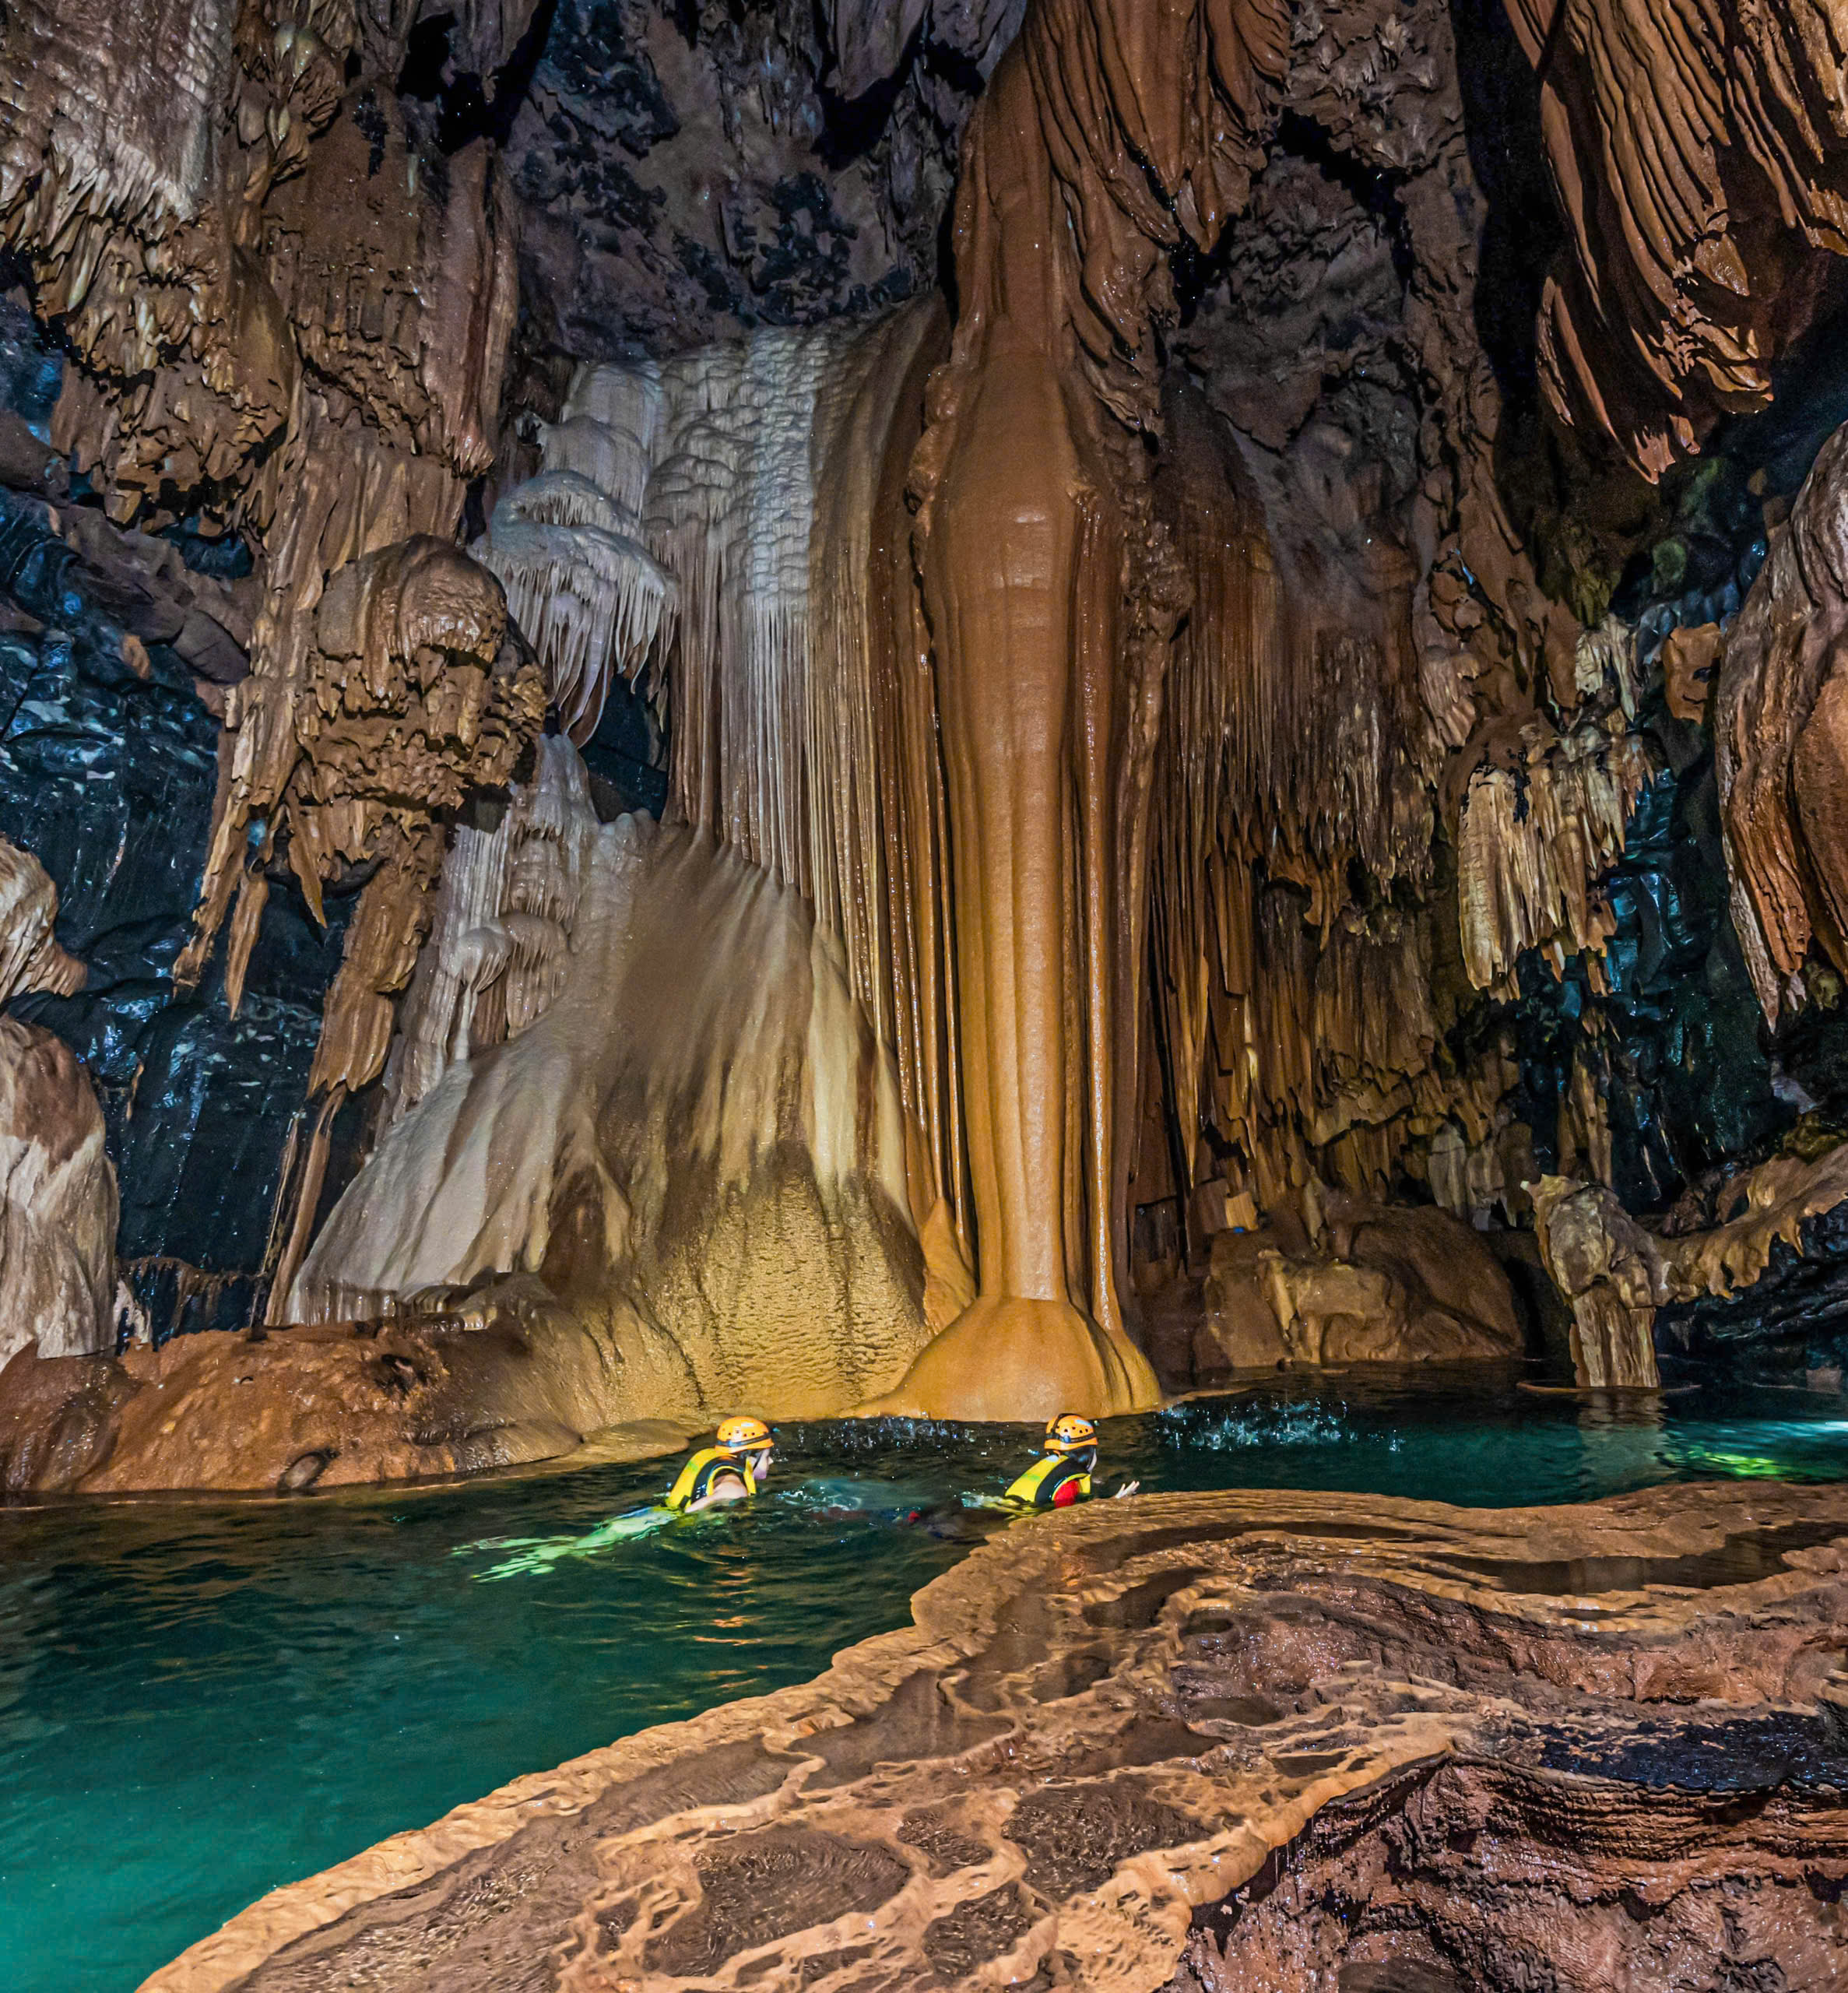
column 1240, row 746
column 1776, row 735
column 57, row 1201
column 1382, row 1284
column 289, row 313
column 1697, row 157
column 691, row 1140
column 1192, row 1742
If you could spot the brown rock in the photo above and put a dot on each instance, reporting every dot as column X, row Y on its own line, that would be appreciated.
column 1392, row 1284
column 1690, row 658
column 1187, row 1742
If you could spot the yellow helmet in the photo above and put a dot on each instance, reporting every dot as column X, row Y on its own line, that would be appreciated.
column 1070, row 1433
column 744, row 1436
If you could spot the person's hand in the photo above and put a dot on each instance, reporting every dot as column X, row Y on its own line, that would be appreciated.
column 1127, row 1488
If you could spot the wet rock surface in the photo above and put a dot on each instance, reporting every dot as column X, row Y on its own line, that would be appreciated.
column 1196, row 1742
column 115, row 648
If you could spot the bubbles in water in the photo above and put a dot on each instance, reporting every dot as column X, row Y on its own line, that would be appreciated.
column 1264, row 1424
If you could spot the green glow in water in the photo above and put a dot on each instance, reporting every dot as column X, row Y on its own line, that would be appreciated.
column 200, row 1701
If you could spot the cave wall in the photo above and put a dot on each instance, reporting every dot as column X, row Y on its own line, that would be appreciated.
column 1369, row 830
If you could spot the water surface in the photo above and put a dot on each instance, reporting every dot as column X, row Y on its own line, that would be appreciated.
column 200, row 1701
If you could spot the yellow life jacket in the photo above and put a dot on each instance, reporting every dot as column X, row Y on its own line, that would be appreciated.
column 695, row 1480
column 1055, row 1481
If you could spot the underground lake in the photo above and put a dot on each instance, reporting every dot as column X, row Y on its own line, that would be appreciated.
column 200, row 1700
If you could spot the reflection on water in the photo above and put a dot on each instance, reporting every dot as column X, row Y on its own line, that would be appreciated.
column 200, row 1700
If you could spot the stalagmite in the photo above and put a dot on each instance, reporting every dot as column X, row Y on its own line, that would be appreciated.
column 1603, row 1264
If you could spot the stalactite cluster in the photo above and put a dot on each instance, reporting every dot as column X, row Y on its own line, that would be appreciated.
column 1700, row 154
column 1539, row 828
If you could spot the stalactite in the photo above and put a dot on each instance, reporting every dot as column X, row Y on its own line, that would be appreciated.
column 496, row 957
column 291, row 313
column 579, row 582
column 730, row 513
column 1295, row 754
column 1536, row 834
column 1700, row 152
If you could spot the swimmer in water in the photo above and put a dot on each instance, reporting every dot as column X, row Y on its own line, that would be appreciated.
column 731, row 1470
column 1062, row 1475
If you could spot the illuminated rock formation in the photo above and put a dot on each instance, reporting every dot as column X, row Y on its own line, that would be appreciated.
column 678, row 1123
column 289, row 313
column 1535, row 836
column 1193, row 1741
column 409, row 692
column 1619, row 1276
column 1698, row 155
column 1053, row 591
column 565, row 544
column 58, row 1200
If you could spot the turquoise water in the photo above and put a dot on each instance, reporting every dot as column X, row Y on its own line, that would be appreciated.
column 200, row 1701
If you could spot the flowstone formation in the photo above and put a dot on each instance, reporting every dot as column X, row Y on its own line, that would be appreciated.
column 1232, row 608
column 1191, row 1743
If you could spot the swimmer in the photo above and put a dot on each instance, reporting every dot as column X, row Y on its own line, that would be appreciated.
column 1062, row 1475
column 731, row 1470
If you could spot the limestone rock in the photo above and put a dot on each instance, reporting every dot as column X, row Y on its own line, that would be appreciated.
column 1780, row 744
column 697, row 1146
column 1390, row 1285
column 58, row 1195
column 1606, row 1266
column 1697, row 154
